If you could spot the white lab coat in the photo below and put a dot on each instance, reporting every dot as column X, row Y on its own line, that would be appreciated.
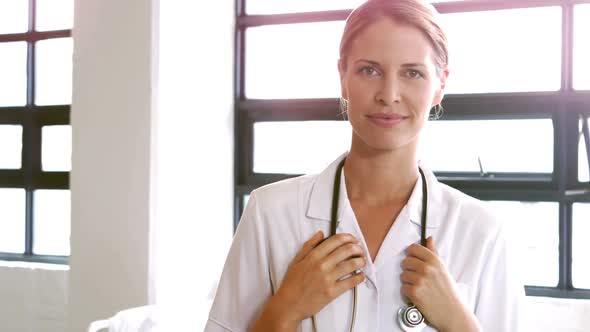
column 281, row 216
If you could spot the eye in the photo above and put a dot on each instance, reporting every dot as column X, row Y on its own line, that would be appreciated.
column 369, row 71
column 414, row 74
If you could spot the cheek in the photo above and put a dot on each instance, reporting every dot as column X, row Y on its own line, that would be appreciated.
column 419, row 97
column 362, row 91
column 361, row 96
column 359, row 89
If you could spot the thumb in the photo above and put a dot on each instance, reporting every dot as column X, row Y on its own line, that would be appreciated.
column 430, row 245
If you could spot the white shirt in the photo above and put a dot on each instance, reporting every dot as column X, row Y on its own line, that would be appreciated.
column 281, row 216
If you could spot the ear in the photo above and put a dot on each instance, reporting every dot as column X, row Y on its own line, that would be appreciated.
column 439, row 94
column 342, row 72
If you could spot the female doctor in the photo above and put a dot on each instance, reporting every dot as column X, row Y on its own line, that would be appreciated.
column 285, row 273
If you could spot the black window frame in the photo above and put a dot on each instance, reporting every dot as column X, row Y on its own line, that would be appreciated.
column 564, row 107
column 33, row 118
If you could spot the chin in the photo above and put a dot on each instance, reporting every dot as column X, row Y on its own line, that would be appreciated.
column 386, row 143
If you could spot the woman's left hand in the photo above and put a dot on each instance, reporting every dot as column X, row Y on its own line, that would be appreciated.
column 427, row 283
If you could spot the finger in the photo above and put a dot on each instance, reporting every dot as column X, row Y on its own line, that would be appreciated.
column 331, row 243
column 411, row 278
column 349, row 283
column 348, row 267
column 430, row 245
column 409, row 291
column 308, row 246
column 412, row 264
column 420, row 252
column 343, row 253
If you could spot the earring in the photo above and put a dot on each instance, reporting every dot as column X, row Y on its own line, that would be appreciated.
column 436, row 112
column 343, row 105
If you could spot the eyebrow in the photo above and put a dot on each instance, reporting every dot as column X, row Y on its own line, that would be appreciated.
column 405, row 65
column 375, row 63
column 416, row 64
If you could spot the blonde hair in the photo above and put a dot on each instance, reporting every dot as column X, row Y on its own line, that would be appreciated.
column 415, row 13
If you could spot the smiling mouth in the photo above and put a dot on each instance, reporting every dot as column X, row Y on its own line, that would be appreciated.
column 386, row 120
column 387, row 116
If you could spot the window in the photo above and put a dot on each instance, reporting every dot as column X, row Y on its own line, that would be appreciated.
column 540, row 253
column 527, row 121
column 478, row 47
column 580, row 250
column 298, row 147
column 477, row 146
column 262, row 79
column 35, row 153
column 581, row 47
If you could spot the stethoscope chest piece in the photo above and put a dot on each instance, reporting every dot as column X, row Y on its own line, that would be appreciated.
column 410, row 319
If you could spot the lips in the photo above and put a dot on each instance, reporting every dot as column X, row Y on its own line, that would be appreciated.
column 387, row 116
column 386, row 120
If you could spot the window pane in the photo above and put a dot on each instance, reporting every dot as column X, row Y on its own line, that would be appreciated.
column 52, row 222
column 13, row 80
column 581, row 246
column 521, row 54
column 261, row 7
column 298, row 6
column 54, row 72
column 498, row 144
column 57, row 148
column 11, row 146
column 293, row 61
column 14, row 16
column 298, row 147
column 54, row 14
column 581, row 47
column 583, row 171
column 540, row 221
column 12, row 220
column 245, row 201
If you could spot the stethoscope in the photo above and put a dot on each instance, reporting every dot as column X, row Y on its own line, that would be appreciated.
column 408, row 317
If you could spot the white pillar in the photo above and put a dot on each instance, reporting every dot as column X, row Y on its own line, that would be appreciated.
column 111, row 120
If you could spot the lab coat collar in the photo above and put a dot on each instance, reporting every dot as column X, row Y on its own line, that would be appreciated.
column 434, row 200
column 320, row 198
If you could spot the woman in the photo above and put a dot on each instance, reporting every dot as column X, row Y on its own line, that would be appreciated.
column 280, row 272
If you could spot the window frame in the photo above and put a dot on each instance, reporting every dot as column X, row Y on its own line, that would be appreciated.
column 564, row 107
column 33, row 118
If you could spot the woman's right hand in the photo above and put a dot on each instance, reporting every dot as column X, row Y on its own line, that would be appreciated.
column 314, row 276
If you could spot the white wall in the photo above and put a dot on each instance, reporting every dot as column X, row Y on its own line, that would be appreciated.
column 112, row 119
column 111, row 158
column 33, row 297
column 110, row 179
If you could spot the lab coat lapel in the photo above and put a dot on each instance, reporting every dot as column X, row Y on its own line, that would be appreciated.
column 350, row 225
column 320, row 199
column 405, row 230
column 401, row 235
column 407, row 227
column 320, row 209
column 434, row 202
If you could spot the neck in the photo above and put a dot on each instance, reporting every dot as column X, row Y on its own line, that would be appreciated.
column 381, row 177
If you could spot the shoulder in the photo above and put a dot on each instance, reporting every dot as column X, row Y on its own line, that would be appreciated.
column 472, row 215
column 471, row 226
column 278, row 206
column 288, row 193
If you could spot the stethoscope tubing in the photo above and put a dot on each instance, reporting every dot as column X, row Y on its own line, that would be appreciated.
column 334, row 223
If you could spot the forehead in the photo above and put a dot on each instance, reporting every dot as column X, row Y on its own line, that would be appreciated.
column 391, row 43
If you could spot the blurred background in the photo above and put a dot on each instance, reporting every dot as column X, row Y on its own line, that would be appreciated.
column 132, row 132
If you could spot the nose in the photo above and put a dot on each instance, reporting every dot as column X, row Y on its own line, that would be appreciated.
column 389, row 91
